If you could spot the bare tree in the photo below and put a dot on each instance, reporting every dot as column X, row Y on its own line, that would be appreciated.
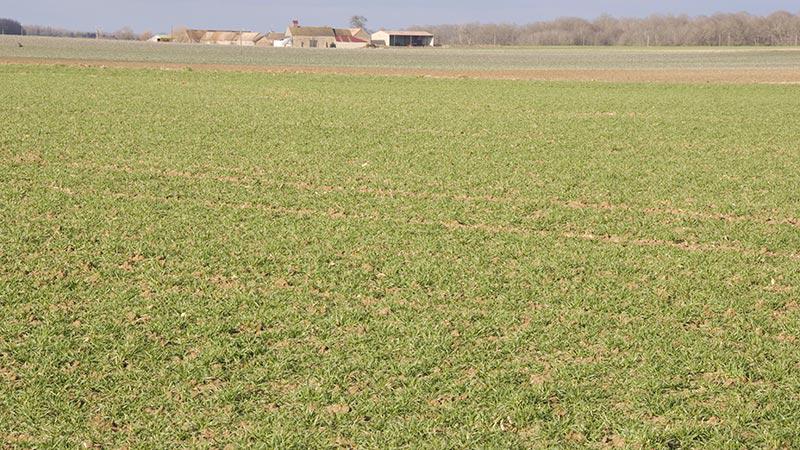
column 358, row 22
column 124, row 34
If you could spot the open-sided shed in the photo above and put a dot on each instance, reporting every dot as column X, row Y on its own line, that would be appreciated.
column 403, row 38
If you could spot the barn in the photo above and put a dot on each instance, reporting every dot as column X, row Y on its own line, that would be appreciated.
column 188, row 36
column 218, row 37
column 403, row 38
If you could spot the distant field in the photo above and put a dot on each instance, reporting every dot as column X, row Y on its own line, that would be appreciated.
column 432, row 59
column 198, row 258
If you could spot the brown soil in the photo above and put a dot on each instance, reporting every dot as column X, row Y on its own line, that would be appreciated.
column 739, row 76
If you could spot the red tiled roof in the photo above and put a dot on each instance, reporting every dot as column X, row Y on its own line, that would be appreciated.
column 345, row 38
column 346, row 35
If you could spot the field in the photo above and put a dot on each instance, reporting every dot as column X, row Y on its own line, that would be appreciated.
column 222, row 258
column 614, row 64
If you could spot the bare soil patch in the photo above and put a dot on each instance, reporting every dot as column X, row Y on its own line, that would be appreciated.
column 733, row 76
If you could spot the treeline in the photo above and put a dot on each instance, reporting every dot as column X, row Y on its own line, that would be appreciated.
column 780, row 28
column 13, row 27
column 38, row 30
column 123, row 34
column 10, row 26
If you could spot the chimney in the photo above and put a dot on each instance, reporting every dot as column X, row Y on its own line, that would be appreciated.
column 295, row 23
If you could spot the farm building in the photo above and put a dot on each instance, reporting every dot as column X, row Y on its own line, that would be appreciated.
column 311, row 37
column 326, row 37
column 218, row 37
column 403, row 38
column 351, row 38
column 295, row 36
column 360, row 33
column 248, row 38
column 187, row 36
column 268, row 40
column 160, row 38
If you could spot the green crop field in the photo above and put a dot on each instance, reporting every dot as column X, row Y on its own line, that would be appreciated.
column 209, row 259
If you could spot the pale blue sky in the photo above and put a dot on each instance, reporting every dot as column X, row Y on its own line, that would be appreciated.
column 262, row 15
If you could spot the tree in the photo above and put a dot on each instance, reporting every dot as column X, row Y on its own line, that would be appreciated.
column 146, row 35
column 358, row 22
column 9, row 26
column 125, row 34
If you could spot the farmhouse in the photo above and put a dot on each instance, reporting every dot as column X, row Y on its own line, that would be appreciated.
column 311, row 37
column 403, row 39
column 326, row 37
